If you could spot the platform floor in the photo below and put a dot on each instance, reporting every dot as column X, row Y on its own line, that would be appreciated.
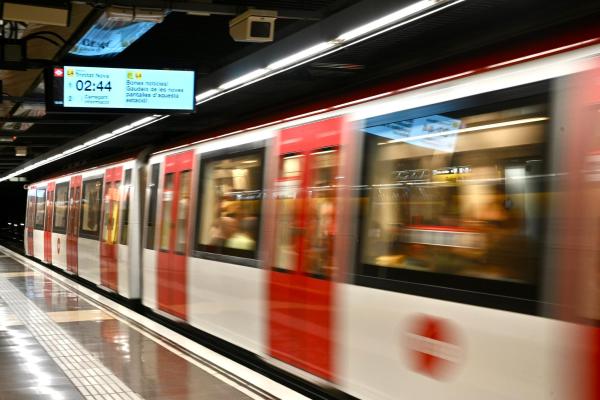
column 55, row 343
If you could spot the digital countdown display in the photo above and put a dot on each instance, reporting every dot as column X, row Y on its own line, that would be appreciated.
column 74, row 88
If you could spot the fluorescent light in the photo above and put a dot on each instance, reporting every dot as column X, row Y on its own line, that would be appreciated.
column 103, row 137
column 141, row 121
column 129, row 127
column 302, row 55
column 122, row 129
column 54, row 157
column 206, row 94
column 72, row 150
column 471, row 129
column 250, row 76
column 274, row 67
column 91, row 142
column 387, row 20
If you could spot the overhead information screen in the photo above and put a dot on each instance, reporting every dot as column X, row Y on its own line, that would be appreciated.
column 75, row 88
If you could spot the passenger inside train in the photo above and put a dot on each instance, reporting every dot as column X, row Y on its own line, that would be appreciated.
column 231, row 195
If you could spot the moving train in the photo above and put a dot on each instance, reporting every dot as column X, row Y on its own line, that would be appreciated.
column 437, row 241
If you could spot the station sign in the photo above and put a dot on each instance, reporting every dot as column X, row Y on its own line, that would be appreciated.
column 82, row 88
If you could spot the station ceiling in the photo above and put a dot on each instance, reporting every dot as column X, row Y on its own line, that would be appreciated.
column 437, row 44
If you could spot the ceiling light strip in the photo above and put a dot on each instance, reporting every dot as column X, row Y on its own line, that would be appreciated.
column 249, row 77
column 301, row 55
column 393, row 20
column 140, row 123
column 388, row 19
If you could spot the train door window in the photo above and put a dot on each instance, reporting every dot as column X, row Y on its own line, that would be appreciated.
column 31, row 208
column 291, row 166
column 287, row 195
column 73, row 225
column 40, row 208
column 126, row 189
column 167, row 206
column 60, row 207
column 321, row 196
column 111, row 212
column 183, row 208
column 91, row 203
column 49, row 208
column 455, row 199
column 231, row 190
column 153, row 192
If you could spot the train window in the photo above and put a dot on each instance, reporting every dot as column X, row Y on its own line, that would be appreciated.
column 60, row 207
column 167, row 208
column 90, row 208
column 231, row 190
column 456, row 199
column 125, row 210
column 40, row 208
column 111, row 212
column 152, row 193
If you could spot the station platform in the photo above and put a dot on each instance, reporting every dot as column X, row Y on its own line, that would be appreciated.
column 62, row 341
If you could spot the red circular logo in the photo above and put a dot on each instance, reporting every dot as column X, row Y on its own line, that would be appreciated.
column 434, row 347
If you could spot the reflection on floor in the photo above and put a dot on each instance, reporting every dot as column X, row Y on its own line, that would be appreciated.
column 16, row 274
column 56, row 345
column 77, row 316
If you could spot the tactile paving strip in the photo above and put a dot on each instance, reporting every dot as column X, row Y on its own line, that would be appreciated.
column 87, row 373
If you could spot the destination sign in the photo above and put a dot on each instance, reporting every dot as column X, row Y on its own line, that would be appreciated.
column 78, row 87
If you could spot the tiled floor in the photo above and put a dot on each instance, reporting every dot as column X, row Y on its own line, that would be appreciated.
column 56, row 345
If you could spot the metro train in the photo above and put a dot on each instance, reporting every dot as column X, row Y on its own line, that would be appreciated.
column 437, row 241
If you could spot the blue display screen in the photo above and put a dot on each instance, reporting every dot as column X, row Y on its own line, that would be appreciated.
column 83, row 87
column 109, row 37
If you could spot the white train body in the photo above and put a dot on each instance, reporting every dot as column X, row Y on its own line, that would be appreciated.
column 287, row 240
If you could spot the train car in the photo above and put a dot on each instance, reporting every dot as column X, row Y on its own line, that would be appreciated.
column 437, row 241
column 88, row 224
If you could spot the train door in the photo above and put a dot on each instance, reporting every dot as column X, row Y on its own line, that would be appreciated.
column 110, row 228
column 172, row 280
column 73, row 223
column 30, row 221
column 578, row 280
column 300, row 286
column 48, row 223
